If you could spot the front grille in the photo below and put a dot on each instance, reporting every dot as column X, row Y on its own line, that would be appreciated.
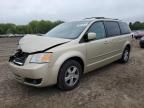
column 19, row 58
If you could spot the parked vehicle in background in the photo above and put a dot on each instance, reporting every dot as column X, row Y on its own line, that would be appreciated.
column 141, row 42
column 138, row 34
column 10, row 35
column 69, row 50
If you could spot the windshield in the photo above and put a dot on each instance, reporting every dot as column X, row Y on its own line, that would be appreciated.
column 69, row 30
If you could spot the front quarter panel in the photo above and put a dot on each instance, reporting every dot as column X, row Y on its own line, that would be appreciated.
column 64, row 53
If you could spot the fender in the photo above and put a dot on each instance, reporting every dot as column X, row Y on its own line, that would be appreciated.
column 57, row 65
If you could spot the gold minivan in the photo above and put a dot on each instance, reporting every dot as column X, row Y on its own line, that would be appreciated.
column 69, row 50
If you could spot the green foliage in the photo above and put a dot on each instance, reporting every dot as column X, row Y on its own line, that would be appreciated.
column 33, row 27
column 137, row 25
column 41, row 27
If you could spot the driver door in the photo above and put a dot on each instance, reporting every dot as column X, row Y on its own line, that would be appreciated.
column 98, row 49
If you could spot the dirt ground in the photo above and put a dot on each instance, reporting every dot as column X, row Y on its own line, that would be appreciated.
column 113, row 86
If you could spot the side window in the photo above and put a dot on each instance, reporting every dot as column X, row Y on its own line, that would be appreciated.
column 99, row 29
column 124, row 28
column 112, row 28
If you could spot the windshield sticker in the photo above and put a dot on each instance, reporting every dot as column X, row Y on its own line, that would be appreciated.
column 81, row 25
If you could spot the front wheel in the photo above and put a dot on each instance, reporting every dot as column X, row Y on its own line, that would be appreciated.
column 69, row 75
column 125, row 56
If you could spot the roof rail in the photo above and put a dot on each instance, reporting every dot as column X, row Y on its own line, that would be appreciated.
column 99, row 18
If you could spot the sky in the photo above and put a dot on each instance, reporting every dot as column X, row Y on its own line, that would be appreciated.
column 24, row 11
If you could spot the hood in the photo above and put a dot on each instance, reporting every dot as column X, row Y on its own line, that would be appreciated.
column 33, row 43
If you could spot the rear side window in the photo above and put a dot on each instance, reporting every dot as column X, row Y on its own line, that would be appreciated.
column 99, row 29
column 112, row 28
column 124, row 28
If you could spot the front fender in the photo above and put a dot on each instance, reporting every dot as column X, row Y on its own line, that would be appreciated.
column 57, row 65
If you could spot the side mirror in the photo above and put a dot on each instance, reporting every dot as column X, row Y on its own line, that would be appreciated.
column 91, row 36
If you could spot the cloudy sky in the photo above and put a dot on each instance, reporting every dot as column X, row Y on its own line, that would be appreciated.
column 23, row 11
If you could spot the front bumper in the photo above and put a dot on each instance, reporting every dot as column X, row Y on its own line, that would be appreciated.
column 37, row 75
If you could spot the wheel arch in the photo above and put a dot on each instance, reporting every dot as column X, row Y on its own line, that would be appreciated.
column 127, row 44
column 65, row 57
column 78, row 59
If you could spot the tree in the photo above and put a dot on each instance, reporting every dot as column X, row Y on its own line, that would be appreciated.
column 137, row 25
column 33, row 27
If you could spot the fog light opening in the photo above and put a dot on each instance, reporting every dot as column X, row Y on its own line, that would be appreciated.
column 32, row 81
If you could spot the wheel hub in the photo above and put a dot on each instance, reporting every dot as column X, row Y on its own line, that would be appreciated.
column 126, row 55
column 71, row 76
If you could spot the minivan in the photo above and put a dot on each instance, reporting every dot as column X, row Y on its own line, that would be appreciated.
column 68, row 51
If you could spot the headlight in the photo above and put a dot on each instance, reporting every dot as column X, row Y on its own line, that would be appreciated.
column 41, row 58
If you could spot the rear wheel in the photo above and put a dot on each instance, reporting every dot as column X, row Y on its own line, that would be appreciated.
column 125, row 56
column 69, row 75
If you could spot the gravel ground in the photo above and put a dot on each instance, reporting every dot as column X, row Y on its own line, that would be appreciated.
column 113, row 86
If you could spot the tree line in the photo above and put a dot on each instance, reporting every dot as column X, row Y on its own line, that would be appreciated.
column 34, row 27
column 136, row 25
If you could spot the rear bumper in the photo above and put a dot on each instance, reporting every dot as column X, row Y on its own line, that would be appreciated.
column 37, row 75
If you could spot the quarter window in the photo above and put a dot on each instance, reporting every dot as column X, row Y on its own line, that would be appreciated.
column 99, row 29
column 112, row 28
column 124, row 28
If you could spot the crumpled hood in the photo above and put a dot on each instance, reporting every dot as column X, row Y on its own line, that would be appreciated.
column 33, row 43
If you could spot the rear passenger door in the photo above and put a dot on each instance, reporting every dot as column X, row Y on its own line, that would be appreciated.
column 114, row 37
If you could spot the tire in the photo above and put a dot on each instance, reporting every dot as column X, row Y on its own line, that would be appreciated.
column 125, row 55
column 136, row 38
column 142, row 46
column 69, row 75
